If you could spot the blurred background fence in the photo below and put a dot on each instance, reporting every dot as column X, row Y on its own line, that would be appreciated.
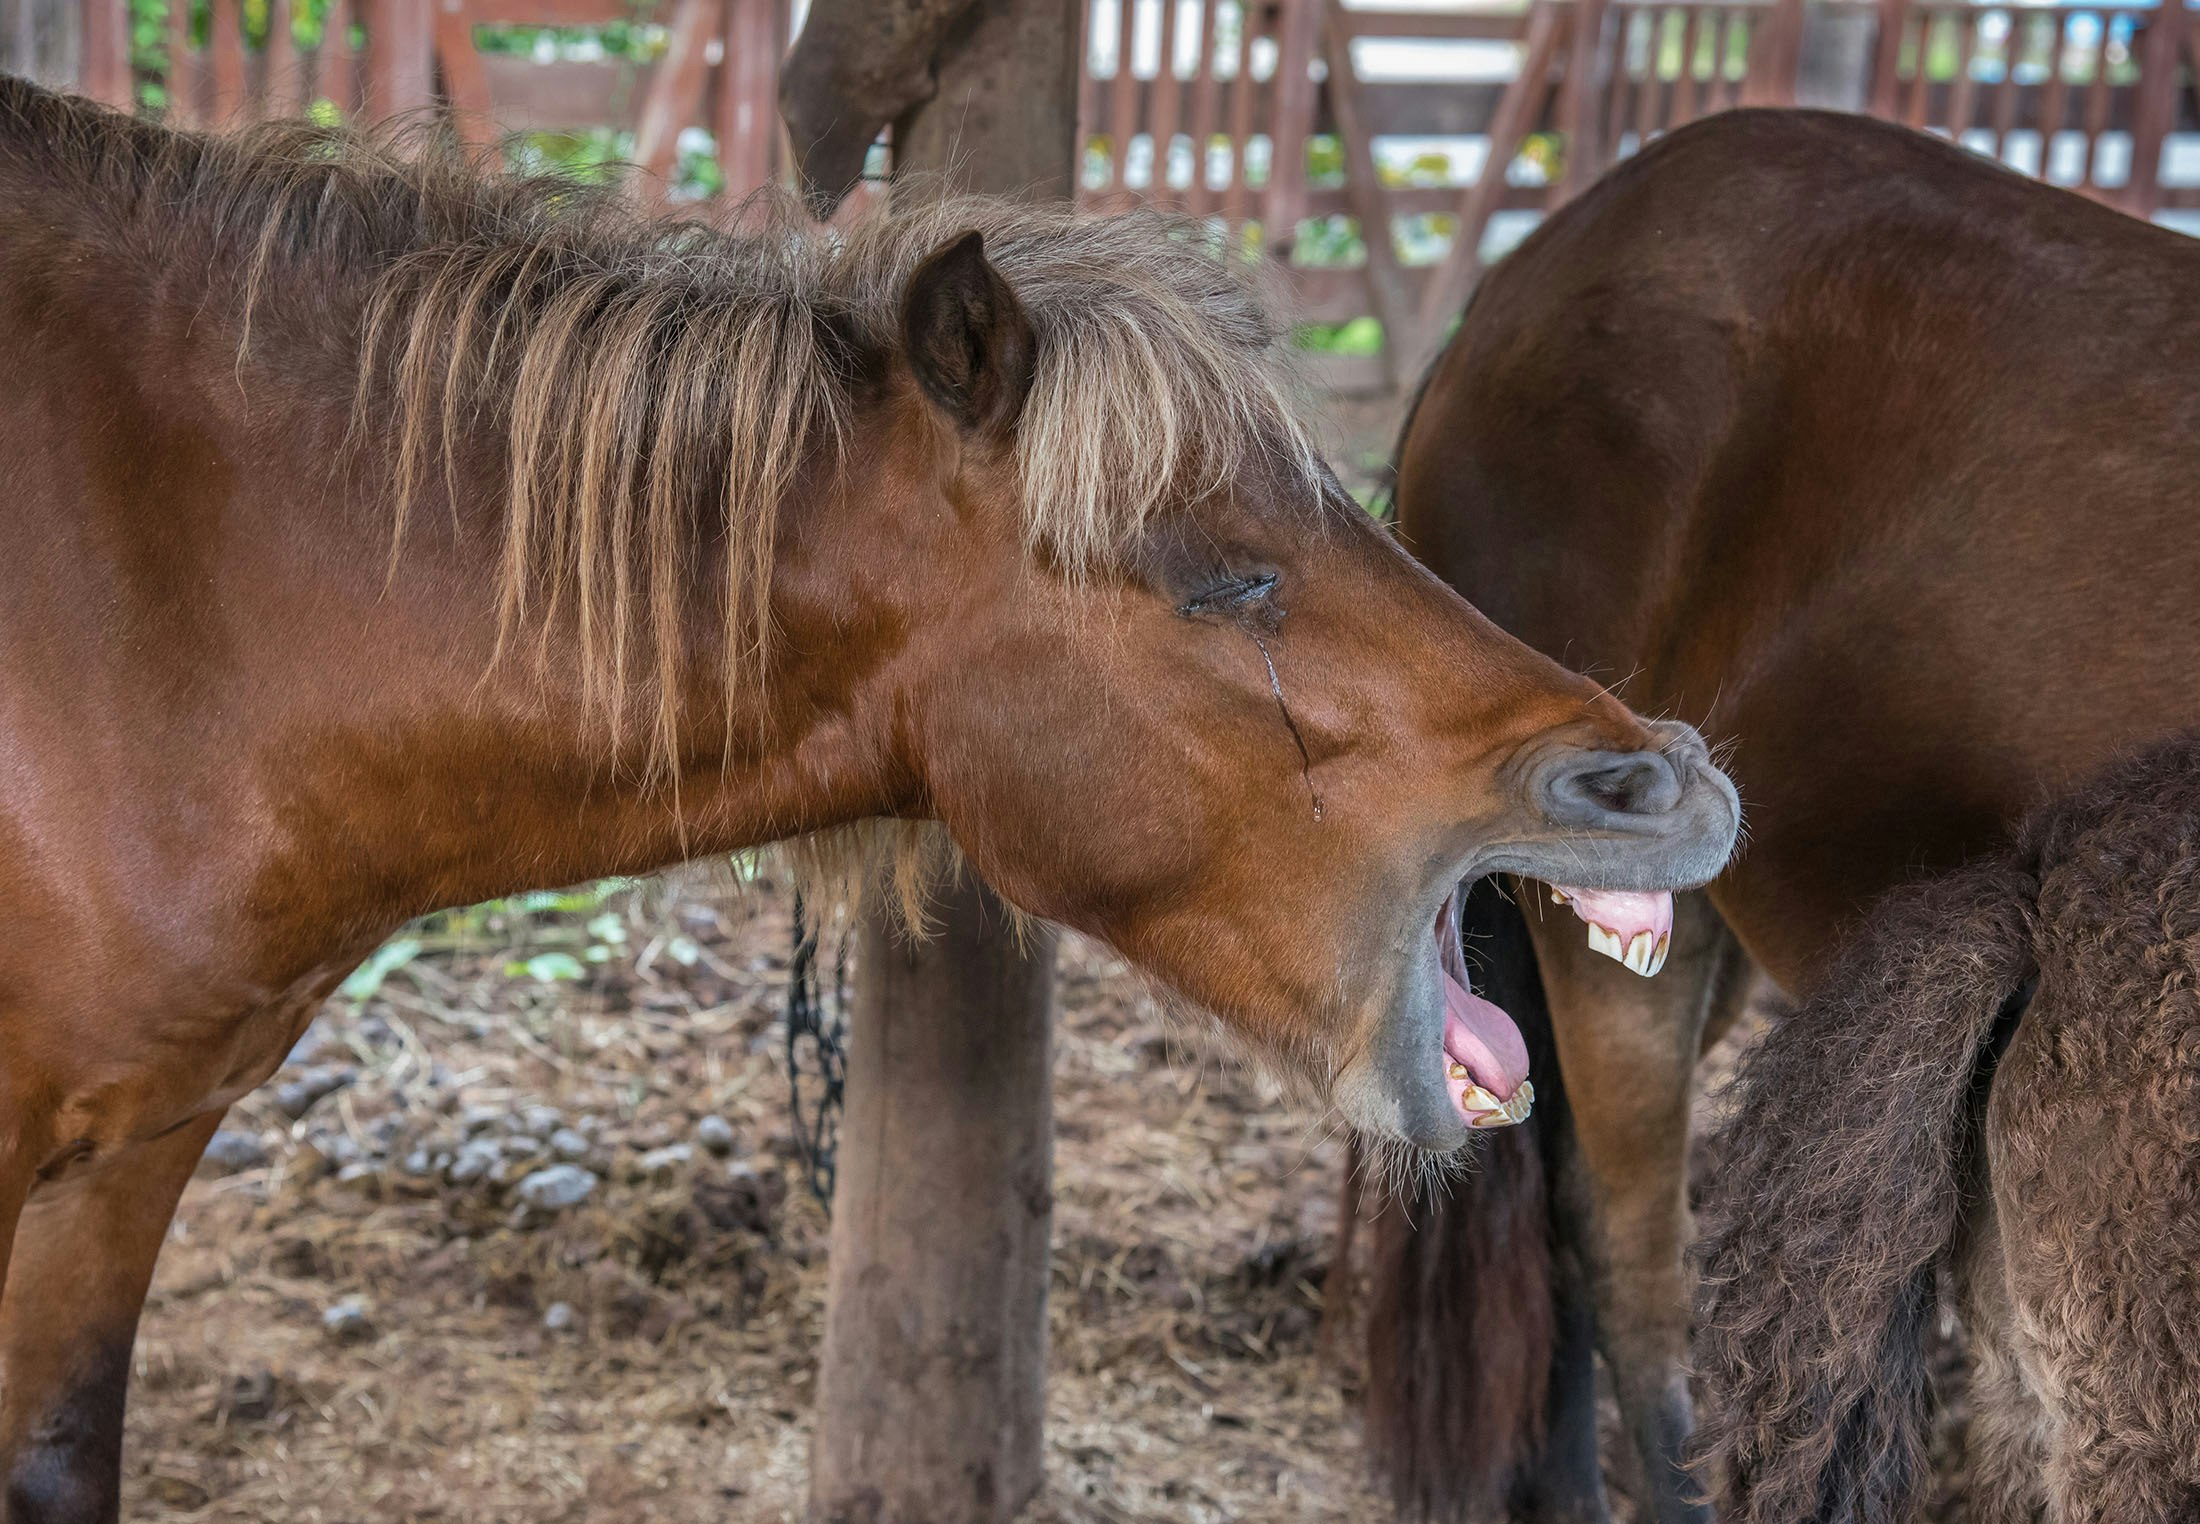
column 1297, row 125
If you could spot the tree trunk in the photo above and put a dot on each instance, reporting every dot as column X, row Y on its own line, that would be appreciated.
column 931, row 1387
column 42, row 40
column 1004, row 118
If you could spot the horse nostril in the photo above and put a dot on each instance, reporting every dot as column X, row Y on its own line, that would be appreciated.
column 1593, row 786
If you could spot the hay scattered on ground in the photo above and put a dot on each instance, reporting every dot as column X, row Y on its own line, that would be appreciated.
column 369, row 1323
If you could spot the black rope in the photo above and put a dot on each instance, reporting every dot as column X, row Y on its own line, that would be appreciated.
column 824, row 1024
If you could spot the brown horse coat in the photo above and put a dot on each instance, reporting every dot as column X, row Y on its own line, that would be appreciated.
column 384, row 534
column 1878, row 463
column 1997, row 1082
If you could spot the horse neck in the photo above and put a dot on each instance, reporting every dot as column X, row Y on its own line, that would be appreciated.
column 362, row 711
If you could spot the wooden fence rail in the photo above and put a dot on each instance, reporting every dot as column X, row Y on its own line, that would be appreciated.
column 1251, row 112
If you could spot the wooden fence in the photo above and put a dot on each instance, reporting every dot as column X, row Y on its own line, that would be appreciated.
column 1253, row 112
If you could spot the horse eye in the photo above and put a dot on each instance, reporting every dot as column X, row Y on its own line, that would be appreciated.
column 1231, row 594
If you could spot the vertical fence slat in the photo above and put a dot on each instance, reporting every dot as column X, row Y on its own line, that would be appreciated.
column 1122, row 100
column 465, row 79
column 1733, row 33
column 1616, row 99
column 2055, row 99
column 225, row 100
column 746, row 122
column 2005, row 94
column 1684, row 82
column 1961, row 95
column 675, row 93
column 1894, row 21
column 1206, row 107
column 182, row 111
column 1577, row 111
column 1290, row 120
column 2161, row 55
column 2096, row 105
column 107, row 52
column 1917, row 102
column 1165, row 102
column 400, row 58
column 285, row 93
column 1370, row 203
column 1648, row 88
column 1237, row 195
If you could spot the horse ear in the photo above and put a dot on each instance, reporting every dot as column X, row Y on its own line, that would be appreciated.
column 969, row 338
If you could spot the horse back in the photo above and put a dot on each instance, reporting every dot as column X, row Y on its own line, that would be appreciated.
column 1852, row 448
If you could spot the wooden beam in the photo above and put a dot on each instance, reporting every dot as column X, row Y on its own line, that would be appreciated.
column 1386, row 289
column 1443, row 296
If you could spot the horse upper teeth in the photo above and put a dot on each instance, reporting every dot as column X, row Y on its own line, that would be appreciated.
column 1640, row 951
column 1558, row 896
column 1606, row 941
column 1457, row 1071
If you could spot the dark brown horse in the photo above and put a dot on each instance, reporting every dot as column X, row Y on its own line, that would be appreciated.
column 385, row 535
column 1995, row 1088
column 1873, row 461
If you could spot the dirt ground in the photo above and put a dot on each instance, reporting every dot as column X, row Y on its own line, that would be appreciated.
column 370, row 1323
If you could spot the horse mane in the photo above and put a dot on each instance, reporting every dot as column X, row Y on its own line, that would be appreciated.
column 646, row 385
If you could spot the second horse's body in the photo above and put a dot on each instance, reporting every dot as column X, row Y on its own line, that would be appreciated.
column 1875, row 461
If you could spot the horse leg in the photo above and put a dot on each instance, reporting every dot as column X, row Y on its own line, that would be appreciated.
column 84, row 1253
column 1627, row 1047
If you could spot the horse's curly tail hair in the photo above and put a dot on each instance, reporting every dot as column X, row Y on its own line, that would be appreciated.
column 1844, row 1183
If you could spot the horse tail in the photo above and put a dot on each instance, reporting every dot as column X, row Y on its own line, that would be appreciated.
column 1460, row 1324
column 1843, row 1184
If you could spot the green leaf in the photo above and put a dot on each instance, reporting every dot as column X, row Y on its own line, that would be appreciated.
column 388, row 959
column 549, row 968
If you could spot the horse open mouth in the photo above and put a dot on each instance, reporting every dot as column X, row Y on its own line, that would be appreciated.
column 1485, row 1057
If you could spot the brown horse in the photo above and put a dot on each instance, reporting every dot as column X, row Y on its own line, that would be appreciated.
column 388, row 535
column 1876, row 462
column 1996, row 1084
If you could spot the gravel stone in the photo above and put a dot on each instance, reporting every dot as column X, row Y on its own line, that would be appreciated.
column 228, row 1152
column 558, row 1187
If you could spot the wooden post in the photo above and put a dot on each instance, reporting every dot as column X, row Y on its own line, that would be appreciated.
column 931, row 1388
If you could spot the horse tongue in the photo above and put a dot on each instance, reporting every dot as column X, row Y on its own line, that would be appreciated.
column 1478, row 1034
column 1634, row 929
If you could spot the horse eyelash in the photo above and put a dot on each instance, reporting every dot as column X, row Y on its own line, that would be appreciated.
column 1227, row 596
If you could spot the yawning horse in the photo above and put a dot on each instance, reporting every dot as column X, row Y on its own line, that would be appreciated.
column 1875, row 461
column 384, row 534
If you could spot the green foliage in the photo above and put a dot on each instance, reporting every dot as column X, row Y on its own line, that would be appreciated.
column 1358, row 336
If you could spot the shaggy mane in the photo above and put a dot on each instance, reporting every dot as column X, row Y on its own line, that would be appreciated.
column 651, row 386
